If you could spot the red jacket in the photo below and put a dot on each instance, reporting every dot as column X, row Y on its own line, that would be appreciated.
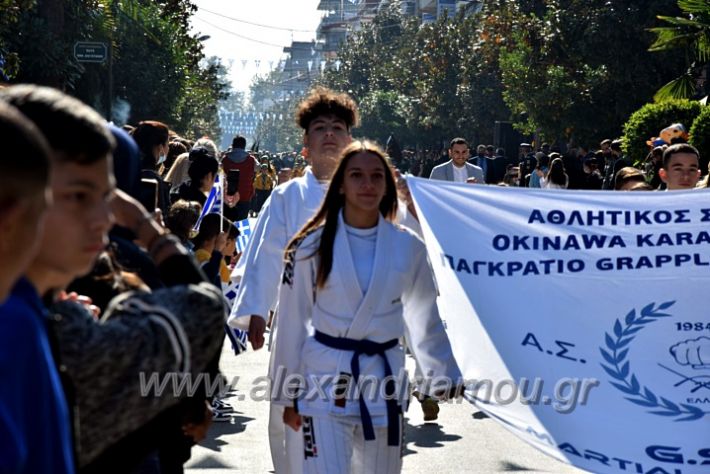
column 239, row 159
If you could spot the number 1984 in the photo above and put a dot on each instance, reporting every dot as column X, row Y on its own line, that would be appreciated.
column 692, row 326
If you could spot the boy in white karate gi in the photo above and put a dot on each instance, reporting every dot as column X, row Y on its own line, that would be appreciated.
column 327, row 119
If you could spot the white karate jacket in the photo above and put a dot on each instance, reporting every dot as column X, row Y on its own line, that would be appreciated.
column 401, row 292
column 259, row 269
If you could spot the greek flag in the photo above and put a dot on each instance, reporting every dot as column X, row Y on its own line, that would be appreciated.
column 213, row 204
column 244, row 227
column 237, row 337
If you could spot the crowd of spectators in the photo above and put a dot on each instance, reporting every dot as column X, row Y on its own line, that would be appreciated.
column 115, row 267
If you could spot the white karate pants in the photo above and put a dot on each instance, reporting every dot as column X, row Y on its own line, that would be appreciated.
column 337, row 445
column 286, row 445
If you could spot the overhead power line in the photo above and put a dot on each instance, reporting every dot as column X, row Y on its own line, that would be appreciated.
column 274, row 45
column 256, row 24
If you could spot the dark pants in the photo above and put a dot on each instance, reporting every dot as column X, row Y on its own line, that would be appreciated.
column 238, row 212
column 259, row 199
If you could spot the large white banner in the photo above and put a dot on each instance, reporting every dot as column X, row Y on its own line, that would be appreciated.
column 579, row 319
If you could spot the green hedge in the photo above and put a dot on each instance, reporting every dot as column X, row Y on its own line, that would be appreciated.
column 700, row 137
column 649, row 120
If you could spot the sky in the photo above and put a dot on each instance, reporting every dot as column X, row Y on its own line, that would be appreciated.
column 264, row 46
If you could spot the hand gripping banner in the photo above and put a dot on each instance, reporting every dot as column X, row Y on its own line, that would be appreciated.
column 579, row 318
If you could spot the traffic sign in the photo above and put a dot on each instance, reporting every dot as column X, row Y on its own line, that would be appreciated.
column 90, row 52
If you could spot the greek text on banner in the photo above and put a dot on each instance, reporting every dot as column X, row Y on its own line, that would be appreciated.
column 578, row 319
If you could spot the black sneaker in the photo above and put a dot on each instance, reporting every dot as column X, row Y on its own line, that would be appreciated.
column 221, row 416
column 222, row 406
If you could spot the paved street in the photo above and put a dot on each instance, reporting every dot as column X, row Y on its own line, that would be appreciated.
column 460, row 441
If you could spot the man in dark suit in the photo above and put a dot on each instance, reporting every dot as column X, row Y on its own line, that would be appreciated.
column 497, row 165
column 618, row 161
column 457, row 169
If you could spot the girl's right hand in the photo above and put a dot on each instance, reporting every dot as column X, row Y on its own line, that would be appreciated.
column 292, row 419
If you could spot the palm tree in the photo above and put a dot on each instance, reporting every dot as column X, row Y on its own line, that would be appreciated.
column 692, row 35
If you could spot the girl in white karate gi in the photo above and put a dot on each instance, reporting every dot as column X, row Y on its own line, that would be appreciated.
column 352, row 281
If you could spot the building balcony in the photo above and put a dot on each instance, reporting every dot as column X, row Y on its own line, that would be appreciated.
column 331, row 23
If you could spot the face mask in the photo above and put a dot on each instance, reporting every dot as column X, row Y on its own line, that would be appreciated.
column 161, row 159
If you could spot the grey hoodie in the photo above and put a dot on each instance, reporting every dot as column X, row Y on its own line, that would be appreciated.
column 237, row 155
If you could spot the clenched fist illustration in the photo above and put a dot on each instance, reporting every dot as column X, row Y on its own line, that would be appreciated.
column 693, row 352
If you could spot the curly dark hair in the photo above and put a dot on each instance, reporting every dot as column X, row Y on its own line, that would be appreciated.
column 323, row 101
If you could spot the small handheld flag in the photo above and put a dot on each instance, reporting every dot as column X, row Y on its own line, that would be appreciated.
column 214, row 201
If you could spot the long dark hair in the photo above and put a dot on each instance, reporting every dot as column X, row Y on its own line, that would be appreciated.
column 327, row 215
column 556, row 174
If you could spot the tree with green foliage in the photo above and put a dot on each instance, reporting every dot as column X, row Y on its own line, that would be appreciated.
column 422, row 83
column 481, row 88
column 384, row 113
column 197, row 112
column 42, row 40
column 575, row 69
column 10, row 14
column 279, row 131
column 565, row 70
column 159, row 70
column 174, row 83
column 439, row 74
column 648, row 121
column 700, row 137
column 689, row 35
column 378, row 57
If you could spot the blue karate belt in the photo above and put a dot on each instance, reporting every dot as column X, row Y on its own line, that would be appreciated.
column 370, row 348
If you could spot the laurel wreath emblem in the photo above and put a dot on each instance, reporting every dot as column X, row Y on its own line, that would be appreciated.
column 620, row 369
